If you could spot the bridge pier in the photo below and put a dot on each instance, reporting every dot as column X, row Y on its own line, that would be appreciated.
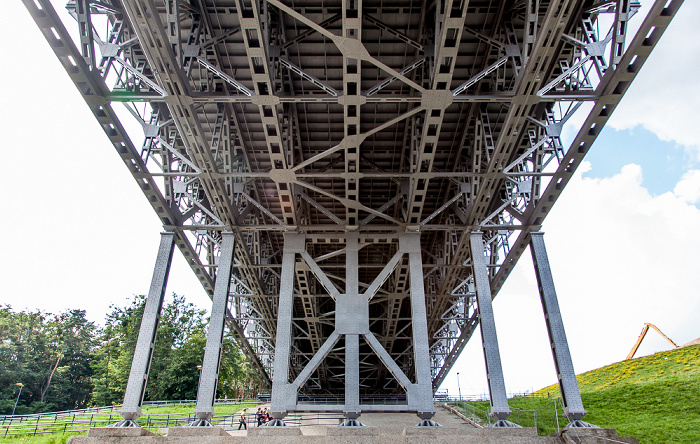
column 293, row 244
column 352, row 322
column 492, row 356
column 143, row 353
column 209, row 376
column 570, row 395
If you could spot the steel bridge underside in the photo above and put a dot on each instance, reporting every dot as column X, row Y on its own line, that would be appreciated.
column 360, row 129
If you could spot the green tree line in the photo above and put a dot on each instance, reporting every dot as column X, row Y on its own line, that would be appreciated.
column 67, row 362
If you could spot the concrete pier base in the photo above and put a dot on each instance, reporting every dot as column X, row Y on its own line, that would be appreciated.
column 382, row 428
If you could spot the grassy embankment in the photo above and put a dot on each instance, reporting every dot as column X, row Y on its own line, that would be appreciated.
column 653, row 398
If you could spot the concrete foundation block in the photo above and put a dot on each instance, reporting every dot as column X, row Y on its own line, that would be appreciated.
column 353, row 431
column 274, row 431
column 196, row 431
column 118, row 432
column 508, row 431
column 439, row 432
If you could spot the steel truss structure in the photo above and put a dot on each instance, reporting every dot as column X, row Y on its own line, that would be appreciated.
column 352, row 181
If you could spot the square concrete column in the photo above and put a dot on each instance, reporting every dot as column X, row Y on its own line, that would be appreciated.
column 570, row 395
column 487, row 325
column 143, row 353
column 209, row 376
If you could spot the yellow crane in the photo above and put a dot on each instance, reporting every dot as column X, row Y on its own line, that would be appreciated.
column 641, row 336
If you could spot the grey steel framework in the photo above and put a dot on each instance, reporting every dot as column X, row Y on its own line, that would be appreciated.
column 374, row 168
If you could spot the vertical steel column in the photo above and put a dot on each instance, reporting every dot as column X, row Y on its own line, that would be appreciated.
column 423, row 387
column 351, row 410
column 492, row 356
column 293, row 244
column 208, row 378
column 141, row 363
column 571, row 398
column 352, row 340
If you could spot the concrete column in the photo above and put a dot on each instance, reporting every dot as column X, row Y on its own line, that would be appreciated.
column 141, row 363
column 492, row 355
column 423, row 387
column 208, row 378
column 570, row 395
column 281, row 388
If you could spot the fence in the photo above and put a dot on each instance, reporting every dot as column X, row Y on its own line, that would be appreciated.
column 83, row 419
column 546, row 418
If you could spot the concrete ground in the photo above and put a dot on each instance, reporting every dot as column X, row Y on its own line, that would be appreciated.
column 322, row 428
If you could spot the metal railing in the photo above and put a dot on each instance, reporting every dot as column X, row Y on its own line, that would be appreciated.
column 546, row 419
column 81, row 420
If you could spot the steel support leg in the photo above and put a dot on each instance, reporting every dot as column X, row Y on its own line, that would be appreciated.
column 208, row 378
column 571, row 398
column 492, row 355
column 351, row 410
column 281, row 388
column 141, row 363
column 423, row 387
column 352, row 314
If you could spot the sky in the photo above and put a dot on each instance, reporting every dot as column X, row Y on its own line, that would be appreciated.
column 77, row 232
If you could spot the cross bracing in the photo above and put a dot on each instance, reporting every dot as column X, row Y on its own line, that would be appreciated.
column 353, row 120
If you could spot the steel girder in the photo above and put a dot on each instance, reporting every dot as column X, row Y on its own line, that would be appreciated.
column 270, row 117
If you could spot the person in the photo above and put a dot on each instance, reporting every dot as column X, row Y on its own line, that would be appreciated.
column 259, row 416
column 241, row 421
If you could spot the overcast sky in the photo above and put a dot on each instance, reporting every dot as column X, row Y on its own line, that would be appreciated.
column 76, row 231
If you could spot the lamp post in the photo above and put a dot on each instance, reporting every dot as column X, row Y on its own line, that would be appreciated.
column 18, row 394
column 459, row 388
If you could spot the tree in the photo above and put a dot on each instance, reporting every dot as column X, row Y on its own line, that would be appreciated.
column 76, row 341
column 66, row 362
column 50, row 355
column 179, row 349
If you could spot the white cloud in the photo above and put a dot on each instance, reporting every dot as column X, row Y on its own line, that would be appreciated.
column 665, row 95
column 620, row 257
column 688, row 188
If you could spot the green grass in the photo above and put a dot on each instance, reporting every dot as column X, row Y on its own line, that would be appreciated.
column 653, row 398
column 220, row 408
column 176, row 415
column 536, row 412
column 53, row 438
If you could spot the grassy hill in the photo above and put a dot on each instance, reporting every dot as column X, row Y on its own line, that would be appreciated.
column 655, row 398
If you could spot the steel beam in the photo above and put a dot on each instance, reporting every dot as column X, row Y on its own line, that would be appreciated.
column 351, row 409
column 410, row 244
column 145, row 344
column 209, row 376
column 492, row 355
column 215, row 148
column 293, row 244
column 570, row 396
